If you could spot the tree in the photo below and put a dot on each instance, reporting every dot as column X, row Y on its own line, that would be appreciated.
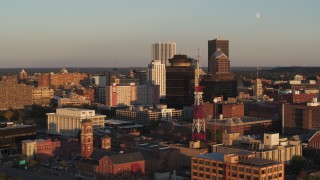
column 8, row 115
column 21, row 116
column 298, row 163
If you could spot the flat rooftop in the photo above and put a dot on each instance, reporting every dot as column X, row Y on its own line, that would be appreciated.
column 238, row 121
column 212, row 156
column 76, row 109
column 116, row 122
column 258, row 162
column 249, row 161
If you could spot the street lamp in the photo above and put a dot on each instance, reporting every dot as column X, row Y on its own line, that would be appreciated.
column 67, row 171
column 215, row 100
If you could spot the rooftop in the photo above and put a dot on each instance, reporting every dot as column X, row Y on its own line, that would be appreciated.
column 212, row 156
column 237, row 121
column 258, row 162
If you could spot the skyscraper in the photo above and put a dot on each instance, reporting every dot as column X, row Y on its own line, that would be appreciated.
column 213, row 45
column 219, row 81
column 157, row 76
column 163, row 52
column 180, row 82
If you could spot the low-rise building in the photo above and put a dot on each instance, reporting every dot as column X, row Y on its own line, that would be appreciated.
column 272, row 147
column 145, row 115
column 244, row 125
column 67, row 121
column 45, row 149
column 220, row 166
column 42, row 96
column 299, row 118
column 12, row 134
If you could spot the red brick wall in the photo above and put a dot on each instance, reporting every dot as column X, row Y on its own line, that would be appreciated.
column 314, row 143
column 233, row 110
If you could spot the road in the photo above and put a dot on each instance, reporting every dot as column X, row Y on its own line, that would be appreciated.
column 38, row 173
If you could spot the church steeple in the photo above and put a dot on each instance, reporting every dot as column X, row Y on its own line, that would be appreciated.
column 86, row 138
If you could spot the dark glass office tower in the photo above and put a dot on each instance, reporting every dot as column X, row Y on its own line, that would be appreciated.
column 180, row 82
column 213, row 45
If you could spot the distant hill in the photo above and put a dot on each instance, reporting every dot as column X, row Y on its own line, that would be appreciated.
column 297, row 70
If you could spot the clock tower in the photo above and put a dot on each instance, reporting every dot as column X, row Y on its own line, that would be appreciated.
column 86, row 138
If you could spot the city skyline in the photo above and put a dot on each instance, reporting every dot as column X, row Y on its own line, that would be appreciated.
column 119, row 34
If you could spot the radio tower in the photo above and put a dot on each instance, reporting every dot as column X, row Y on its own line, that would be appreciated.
column 198, row 124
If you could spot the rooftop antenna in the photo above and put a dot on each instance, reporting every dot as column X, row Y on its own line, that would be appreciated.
column 197, row 77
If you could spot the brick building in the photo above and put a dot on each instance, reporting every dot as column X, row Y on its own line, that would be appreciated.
column 100, row 163
column 88, row 94
column 56, row 80
column 221, row 166
column 228, row 110
column 299, row 118
column 42, row 96
column 313, row 142
column 14, row 95
column 263, row 110
column 46, row 149
column 244, row 125
column 232, row 110
column 296, row 98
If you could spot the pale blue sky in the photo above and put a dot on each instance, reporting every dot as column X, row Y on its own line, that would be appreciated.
column 101, row 33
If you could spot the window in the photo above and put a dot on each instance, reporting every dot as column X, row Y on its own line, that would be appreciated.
column 195, row 174
column 275, row 169
column 195, row 160
column 195, row 167
column 248, row 177
column 220, row 172
column 207, row 163
column 255, row 171
column 234, row 167
column 220, row 165
column 207, row 169
column 241, row 169
column 279, row 168
column 214, row 170
column 214, row 164
column 200, row 175
column 241, row 176
column 269, row 170
column 200, row 161
column 280, row 174
column 263, row 171
column 269, row 177
column 207, row 176
column 248, row 170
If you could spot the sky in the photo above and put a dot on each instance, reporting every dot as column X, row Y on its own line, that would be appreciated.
column 119, row 33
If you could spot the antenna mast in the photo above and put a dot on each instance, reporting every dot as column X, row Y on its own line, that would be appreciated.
column 198, row 124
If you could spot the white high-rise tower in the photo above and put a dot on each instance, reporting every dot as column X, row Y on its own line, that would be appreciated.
column 163, row 52
column 157, row 76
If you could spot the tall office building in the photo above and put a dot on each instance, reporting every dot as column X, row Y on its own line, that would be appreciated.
column 163, row 52
column 180, row 82
column 219, row 81
column 157, row 76
column 213, row 45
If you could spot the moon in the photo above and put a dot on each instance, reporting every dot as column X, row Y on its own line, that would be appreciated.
column 258, row 15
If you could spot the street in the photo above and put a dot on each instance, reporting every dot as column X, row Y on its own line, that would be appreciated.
column 37, row 173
